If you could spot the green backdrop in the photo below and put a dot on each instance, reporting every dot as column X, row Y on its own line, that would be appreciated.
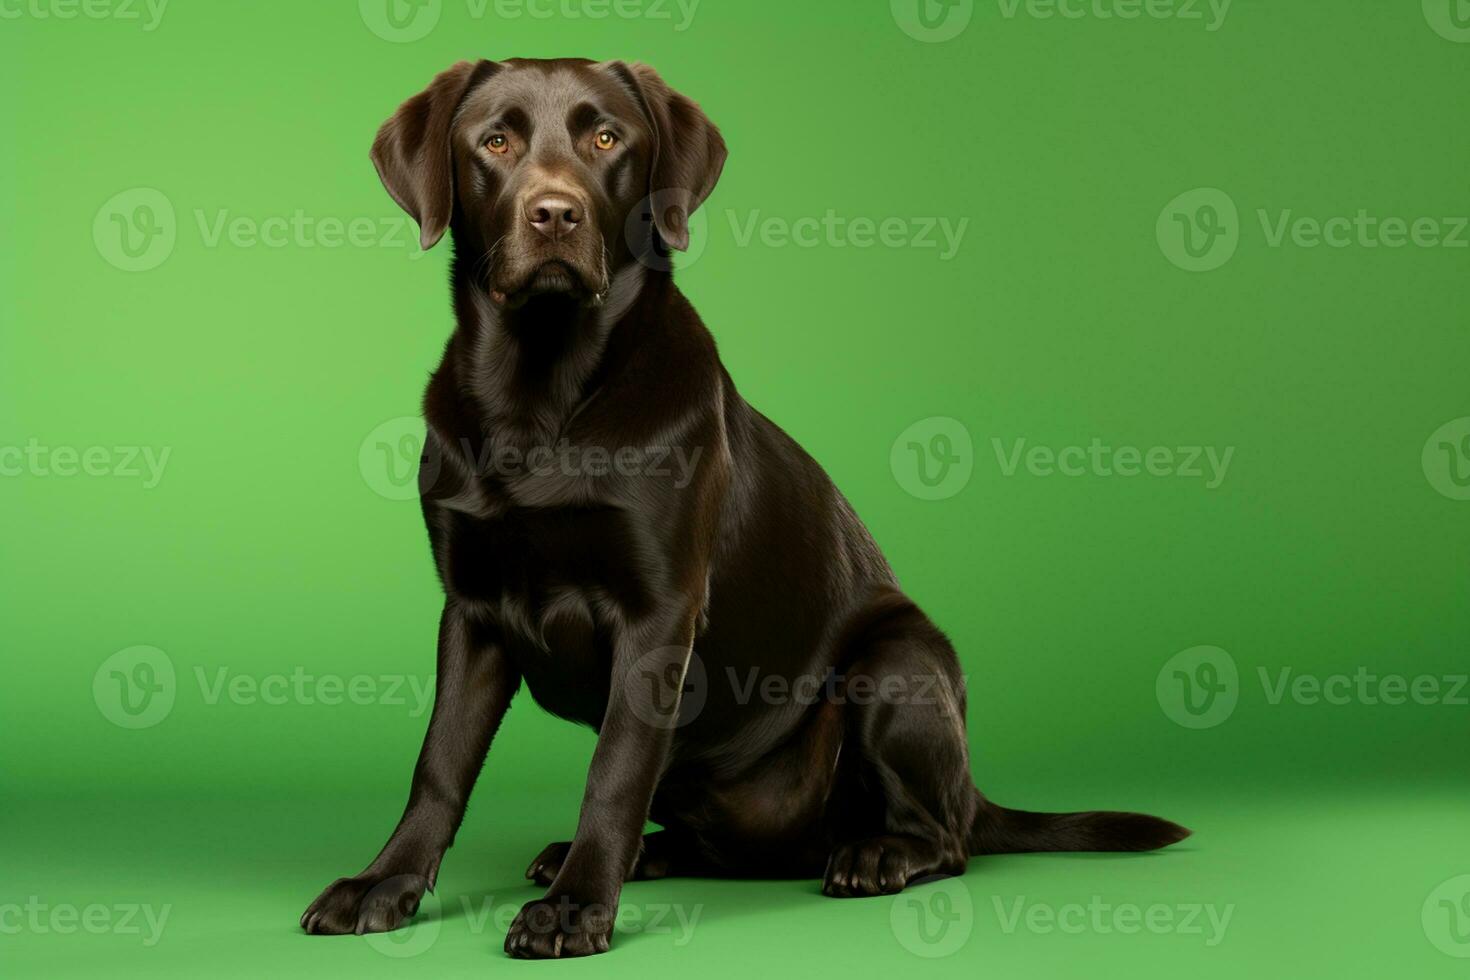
column 1135, row 329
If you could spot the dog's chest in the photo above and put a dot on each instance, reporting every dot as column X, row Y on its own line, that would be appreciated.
column 549, row 584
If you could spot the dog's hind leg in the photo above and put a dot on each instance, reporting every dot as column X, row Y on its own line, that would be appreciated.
column 904, row 802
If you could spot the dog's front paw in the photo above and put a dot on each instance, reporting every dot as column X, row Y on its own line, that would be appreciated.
column 367, row 903
column 557, row 926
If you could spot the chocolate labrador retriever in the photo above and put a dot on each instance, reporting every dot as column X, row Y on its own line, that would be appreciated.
column 616, row 527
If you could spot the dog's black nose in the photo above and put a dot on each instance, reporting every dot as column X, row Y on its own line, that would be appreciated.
column 554, row 215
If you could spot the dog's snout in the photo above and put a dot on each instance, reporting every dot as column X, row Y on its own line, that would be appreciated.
column 554, row 215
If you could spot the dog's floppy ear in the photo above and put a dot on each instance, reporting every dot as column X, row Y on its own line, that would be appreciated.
column 412, row 151
column 688, row 151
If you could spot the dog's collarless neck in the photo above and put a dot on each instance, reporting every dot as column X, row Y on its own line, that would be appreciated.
column 531, row 366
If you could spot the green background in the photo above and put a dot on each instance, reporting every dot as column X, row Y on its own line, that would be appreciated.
column 264, row 549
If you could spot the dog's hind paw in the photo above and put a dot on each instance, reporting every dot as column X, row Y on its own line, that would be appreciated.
column 364, row 904
column 544, row 868
column 656, row 859
column 883, row 866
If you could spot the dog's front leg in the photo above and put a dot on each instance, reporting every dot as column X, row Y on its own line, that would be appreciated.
column 575, row 917
column 473, row 687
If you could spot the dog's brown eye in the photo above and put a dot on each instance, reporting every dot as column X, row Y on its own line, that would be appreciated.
column 606, row 140
column 497, row 144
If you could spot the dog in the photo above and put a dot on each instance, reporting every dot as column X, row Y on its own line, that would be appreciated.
column 760, row 686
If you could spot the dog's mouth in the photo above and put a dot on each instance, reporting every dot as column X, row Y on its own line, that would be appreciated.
column 554, row 277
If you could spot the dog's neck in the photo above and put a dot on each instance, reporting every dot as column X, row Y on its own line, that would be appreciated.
column 528, row 367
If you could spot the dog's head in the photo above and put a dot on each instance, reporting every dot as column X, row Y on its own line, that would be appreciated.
column 559, row 172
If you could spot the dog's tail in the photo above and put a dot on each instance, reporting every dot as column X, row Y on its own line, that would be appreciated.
column 1001, row 830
